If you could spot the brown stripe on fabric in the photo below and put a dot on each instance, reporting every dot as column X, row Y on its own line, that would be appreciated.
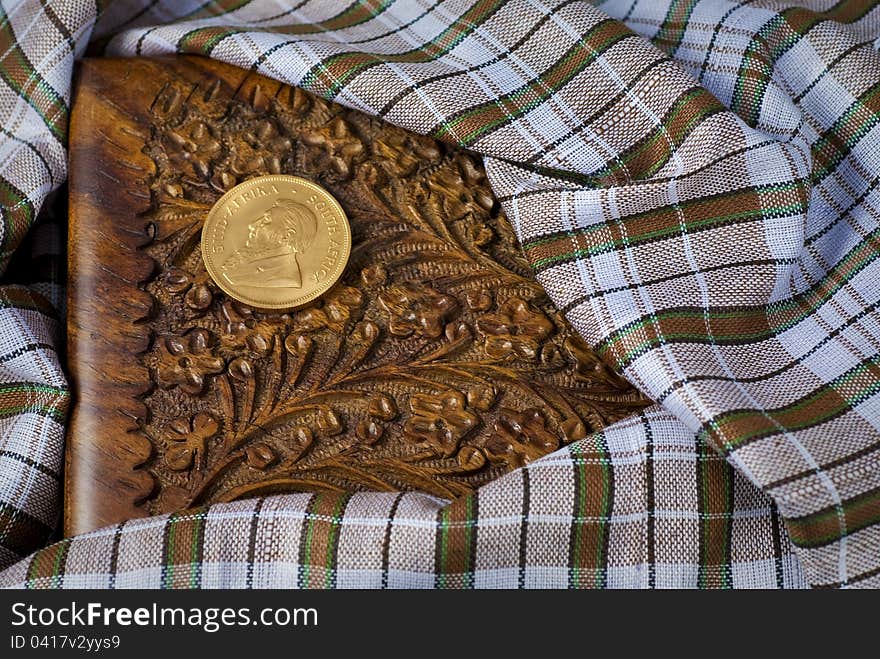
column 832, row 523
column 736, row 428
column 20, row 532
column 324, row 515
column 849, row 11
column 458, row 542
column 508, row 53
column 46, row 568
column 43, row 400
column 499, row 111
column 593, row 498
column 734, row 325
column 217, row 8
column 182, row 549
column 715, row 497
column 25, row 298
column 17, row 217
column 774, row 40
column 328, row 76
column 862, row 576
column 21, row 76
column 837, row 142
column 671, row 32
column 204, row 40
column 59, row 24
column 756, row 66
column 654, row 150
column 873, row 447
column 699, row 214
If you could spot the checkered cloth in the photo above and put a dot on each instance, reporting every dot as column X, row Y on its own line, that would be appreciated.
column 695, row 183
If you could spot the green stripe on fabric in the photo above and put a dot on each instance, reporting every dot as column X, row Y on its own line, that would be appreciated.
column 755, row 424
column 333, row 80
column 514, row 105
column 457, row 534
column 688, row 102
column 333, row 540
column 833, row 523
column 204, row 40
column 838, row 142
column 17, row 217
column 772, row 41
column 591, row 515
column 46, row 567
column 668, row 38
column 606, row 245
column 21, row 76
column 313, row 546
column 856, row 261
column 715, row 491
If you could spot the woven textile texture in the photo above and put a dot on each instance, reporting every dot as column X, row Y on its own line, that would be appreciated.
column 694, row 182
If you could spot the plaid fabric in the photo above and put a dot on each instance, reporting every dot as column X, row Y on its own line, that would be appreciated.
column 694, row 182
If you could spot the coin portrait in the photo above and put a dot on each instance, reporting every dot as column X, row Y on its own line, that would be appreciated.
column 276, row 242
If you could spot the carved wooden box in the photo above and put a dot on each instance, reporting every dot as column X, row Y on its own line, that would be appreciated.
column 437, row 363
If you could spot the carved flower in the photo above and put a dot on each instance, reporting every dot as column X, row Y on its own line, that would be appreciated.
column 194, row 288
column 463, row 189
column 441, row 421
column 520, row 437
column 340, row 144
column 332, row 311
column 402, row 153
column 244, row 330
column 192, row 149
column 260, row 151
column 589, row 367
column 516, row 330
column 187, row 361
column 188, row 440
column 421, row 310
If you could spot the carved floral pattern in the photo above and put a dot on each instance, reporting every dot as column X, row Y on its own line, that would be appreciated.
column 520, row 437
column 244, row 330
column 195, row 289
column 417, row 310
column 192, row 148
column 516, row 330
column 333, row 311
column 430, row 365
column 187, row 362
column 440, row 422
column 188, row 440
column 340, row 144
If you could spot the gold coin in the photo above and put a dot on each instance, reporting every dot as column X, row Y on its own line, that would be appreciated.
column 276, row 242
